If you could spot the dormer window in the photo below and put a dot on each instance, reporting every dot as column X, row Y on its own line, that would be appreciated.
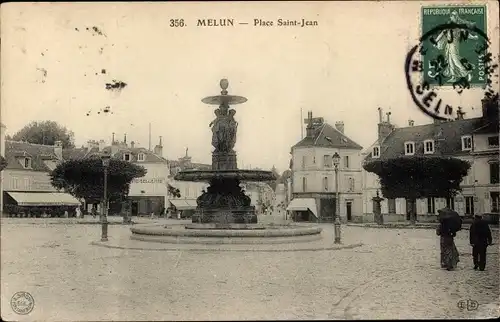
column 493, row 141
column 27, row 163
column 466, row 143
column 141, row 157
column 376, row 152
column 126, row 157
column 409, row 148
column 428, row 146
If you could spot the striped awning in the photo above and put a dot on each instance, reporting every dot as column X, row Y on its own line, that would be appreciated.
column 44, row 199
column 184, row 204
column 303, row 204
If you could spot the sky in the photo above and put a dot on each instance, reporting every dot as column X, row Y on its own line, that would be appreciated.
column 343, row 69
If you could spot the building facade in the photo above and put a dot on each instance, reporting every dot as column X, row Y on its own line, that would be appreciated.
column 189, row 191
column 313, row 179
column 148, row 194
column 474, row 140
column 2, row 153
column 26, row 179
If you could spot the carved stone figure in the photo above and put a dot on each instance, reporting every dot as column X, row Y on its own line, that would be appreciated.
column 224, row 129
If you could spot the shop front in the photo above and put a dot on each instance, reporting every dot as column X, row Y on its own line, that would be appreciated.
column 39, row 204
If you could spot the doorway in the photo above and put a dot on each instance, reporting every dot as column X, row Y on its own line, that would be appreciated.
column 348, row 206
column 409, row 205
column 327, row 209
column 135, row 208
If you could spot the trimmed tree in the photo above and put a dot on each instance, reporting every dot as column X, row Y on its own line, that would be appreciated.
column 419, row 177
column 84, row 179
column 3, row 163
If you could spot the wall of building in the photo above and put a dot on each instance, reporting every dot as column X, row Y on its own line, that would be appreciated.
column 2, row 153
column 153, row 183
column 27, row 180
column 314, row 170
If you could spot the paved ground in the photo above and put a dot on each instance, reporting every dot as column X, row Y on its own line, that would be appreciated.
column 395, row 275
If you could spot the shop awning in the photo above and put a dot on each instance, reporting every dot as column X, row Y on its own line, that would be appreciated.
column 44, row 199
column 303, row 204
column 184, row 204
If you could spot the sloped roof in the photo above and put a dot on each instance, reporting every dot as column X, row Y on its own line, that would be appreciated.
column 446, row 136
column 79, row 153
column 326, row 135
column 14, row 150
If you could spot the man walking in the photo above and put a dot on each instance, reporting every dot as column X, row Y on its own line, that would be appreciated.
column 480, row 238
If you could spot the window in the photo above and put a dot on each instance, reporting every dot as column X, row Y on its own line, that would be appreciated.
column 27, row 184
column 327, row 161
column 494, row 201
column 469, row 205
column 450, row 203
column 351, row 184
column 346, row 162
column 494, row 175
column 141, row 157
column 126, row 157
column 466, row 143
column 428, row 146
column 376, row 152
column 15, row 183
column 314, row 159
column 303, row 161
column 27, row 163
column 493, row 141
column 409, row 148
column 325, row 183
column 304, row 184
column 391, row 205
column 431, row 205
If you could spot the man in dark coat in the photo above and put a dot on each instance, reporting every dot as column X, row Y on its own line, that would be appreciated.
column 480, row 238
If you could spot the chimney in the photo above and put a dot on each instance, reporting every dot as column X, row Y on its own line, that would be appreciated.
column 132, row 144
column 490, row 108
column 384, row 128
column 340, row 126
column 388, row 117
column 125, row 139
column 58, row 149
column 102, row 144
column 158, row 150
column 113, row 139
column 460, row 114
column 310, row 127
column 411, row 122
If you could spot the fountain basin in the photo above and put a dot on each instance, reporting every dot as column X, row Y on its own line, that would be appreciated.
column 232, row 234
column 209, row 175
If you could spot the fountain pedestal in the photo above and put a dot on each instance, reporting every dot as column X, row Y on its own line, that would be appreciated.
column 224, row 161
column 224, row 203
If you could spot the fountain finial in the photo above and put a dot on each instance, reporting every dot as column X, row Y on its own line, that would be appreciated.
column 224, row 84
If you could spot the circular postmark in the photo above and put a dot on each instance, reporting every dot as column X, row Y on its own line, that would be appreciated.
column 438, row 76
column 22, row 303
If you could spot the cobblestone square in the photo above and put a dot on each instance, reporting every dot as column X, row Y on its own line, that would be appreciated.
column 395, row 274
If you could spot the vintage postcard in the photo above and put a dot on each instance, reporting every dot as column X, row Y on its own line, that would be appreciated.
column 280, row 160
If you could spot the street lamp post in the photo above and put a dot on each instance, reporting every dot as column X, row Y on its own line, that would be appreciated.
column 104, row 222
column 336, row 161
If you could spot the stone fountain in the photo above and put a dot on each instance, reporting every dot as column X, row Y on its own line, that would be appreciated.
column 224, row 214
column 224, row 202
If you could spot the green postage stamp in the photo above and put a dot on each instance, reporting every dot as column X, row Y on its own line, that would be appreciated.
column 453, row 55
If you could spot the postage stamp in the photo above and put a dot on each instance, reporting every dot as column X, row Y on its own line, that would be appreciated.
column 451, row 62
column 455, row 49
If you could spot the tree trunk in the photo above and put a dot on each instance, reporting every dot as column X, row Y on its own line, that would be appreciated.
column 127, row 218
column 413, row 215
